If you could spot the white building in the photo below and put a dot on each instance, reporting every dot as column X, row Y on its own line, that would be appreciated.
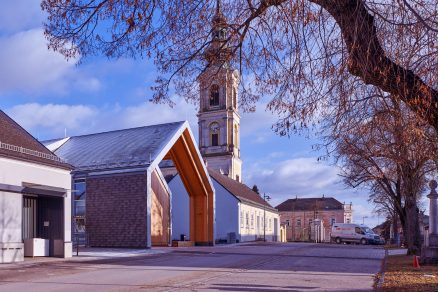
column 241, row 214
column 35, row 199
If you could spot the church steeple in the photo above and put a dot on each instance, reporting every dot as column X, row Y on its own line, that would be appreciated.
column 218, row 52
column 218, row 117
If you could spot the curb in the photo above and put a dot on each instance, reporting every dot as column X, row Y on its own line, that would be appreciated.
column 381, row 275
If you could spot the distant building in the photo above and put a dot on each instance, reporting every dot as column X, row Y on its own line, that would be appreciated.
column 121, row 197
column 299, row 216
column 241, row 214
column 34, row 197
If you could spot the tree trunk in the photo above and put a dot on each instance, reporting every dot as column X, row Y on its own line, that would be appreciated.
column 396, row 235
column 411, row 228
column 368, row 60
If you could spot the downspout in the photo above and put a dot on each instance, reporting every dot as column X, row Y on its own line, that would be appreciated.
column 170, row 218
column 149, row 207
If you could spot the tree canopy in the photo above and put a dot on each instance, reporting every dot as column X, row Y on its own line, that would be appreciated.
column 312, row 58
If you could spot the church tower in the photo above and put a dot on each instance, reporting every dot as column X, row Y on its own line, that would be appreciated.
column 218, row 117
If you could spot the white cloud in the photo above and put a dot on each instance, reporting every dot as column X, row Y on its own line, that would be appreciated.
column 148, row 113
column 28, row 66
column 298, row 176
column 306, row 178
column 20, row 15
column 54, row 118
column 302, row 177
column 50, row 120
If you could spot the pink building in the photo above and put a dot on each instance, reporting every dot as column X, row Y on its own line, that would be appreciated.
column 299, row 215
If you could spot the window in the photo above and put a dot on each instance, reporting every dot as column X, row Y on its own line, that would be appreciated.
column 288, row 222
column 252, row 221
column 298, row 222
column 214, row 134
column 214, row 95
column 237, row 178
column 234, row 98
column 348, row 220
column 258, row 222
column 79, row 196
column 241, row 219
column 358, row 230
column 332, row 221
column 310, row 222
column 270, row 224
column 247, row 220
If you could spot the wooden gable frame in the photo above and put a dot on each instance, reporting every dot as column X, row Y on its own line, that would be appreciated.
column 183, row 152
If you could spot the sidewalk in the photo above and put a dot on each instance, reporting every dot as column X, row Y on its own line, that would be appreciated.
column 89, row 254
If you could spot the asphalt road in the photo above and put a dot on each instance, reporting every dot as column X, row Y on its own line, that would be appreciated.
column 251, row 267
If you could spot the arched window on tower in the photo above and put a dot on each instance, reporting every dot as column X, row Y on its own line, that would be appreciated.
column 214, row 134
column 214, row 95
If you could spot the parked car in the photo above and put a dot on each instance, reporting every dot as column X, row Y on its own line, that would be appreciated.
column 349, row 233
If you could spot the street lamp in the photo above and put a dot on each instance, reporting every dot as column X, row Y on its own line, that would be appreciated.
column 363, row 219
column 265, row 198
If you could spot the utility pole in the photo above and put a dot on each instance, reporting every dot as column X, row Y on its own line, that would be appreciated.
column 265, row 198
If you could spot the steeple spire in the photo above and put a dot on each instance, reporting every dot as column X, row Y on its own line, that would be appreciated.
column 218, row 7
column 218, row 52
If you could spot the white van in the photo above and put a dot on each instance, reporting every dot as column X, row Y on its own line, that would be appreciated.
column 349, row 232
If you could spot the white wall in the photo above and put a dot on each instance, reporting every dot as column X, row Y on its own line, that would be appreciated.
column 10, row 217
column 254, row 230
column 180, row 209
column 16, row 172
column 227, row 210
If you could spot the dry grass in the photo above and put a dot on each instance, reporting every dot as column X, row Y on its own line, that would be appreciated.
column 401, row 276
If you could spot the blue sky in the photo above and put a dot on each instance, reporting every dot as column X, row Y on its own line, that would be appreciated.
column 48, row 95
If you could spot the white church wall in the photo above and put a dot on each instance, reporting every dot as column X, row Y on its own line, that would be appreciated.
column 251, row 223
column 227, row 210
column 180, row 209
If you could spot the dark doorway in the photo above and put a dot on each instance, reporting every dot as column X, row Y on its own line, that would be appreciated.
column 43, row 217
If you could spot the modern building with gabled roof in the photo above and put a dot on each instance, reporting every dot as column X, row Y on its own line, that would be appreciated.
column 35, row 197
column 121, row 197
column 241, row 214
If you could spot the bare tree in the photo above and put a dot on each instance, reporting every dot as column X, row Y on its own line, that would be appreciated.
column 391, row 154
column 308, row 56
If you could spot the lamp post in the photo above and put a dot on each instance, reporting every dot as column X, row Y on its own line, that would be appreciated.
column 363, row 219
column 265, row 198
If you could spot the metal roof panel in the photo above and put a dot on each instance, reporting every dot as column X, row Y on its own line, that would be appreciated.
column 116, row 149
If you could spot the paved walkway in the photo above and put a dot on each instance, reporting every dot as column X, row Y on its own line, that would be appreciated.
column 254, row 267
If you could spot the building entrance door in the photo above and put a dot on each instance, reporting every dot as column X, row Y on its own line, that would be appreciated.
column 30, row 217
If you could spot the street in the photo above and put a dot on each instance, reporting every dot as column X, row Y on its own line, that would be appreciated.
column 249, row 267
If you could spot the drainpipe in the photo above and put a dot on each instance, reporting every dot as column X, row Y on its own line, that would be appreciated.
column 149, row 208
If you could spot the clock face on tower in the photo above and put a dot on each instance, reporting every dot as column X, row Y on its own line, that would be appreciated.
column 214, row 128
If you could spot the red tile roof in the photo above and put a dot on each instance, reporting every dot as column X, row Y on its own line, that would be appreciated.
column 310, row 204
column 240, row 190
column 13, row 136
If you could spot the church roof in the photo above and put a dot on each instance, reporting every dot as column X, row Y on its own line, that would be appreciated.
column 135, row 147
column 16, row 142
column 239, row 190
column 310, row 204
